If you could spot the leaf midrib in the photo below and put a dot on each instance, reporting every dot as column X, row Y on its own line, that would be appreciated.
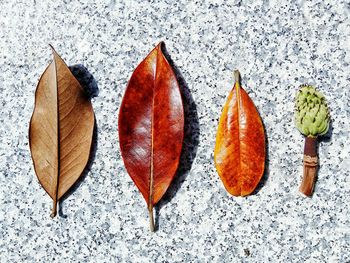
column 151, row 180
column 238, row 98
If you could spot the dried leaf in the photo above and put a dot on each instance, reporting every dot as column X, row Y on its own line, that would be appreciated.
column 151, row 127
column 240, row 143
column 61, row 130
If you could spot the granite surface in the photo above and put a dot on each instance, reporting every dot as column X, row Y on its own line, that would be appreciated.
column 277, row 45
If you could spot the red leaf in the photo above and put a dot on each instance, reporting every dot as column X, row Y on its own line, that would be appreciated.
column 151, row 127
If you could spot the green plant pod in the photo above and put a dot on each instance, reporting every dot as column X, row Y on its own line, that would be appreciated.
column 311, row 115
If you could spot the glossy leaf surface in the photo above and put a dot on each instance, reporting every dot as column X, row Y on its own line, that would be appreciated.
column 61, row 130
column 151, row 126
column 240, row 143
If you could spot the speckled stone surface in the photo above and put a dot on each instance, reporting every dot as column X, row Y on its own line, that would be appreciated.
column 277, row 45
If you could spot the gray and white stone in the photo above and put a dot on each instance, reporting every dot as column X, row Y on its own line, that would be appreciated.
column 277, row 46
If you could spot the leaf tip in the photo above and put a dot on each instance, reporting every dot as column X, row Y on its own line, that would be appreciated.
column 53, row 50
column 161, row 45
column 237, row 76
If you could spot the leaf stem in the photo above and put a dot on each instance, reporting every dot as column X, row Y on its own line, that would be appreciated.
column 151, row 218
column 54, row 209
column 310, row 166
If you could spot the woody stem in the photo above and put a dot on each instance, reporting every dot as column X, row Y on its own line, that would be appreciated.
column 310, row 166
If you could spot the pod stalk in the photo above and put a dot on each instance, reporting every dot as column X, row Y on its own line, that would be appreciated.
column 310, row 161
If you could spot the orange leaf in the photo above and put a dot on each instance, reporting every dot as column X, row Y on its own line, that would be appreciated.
column 240, row 143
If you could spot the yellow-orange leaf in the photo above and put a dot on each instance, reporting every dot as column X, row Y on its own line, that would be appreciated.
column 240, row 143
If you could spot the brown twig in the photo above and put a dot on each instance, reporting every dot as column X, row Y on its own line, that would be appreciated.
column 310, row 166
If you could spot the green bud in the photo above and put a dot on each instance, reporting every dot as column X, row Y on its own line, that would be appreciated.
column 312, row 115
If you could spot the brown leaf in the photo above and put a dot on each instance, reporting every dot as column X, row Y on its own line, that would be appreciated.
column 61, row 129
column 151, row 127
column 240, row 143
